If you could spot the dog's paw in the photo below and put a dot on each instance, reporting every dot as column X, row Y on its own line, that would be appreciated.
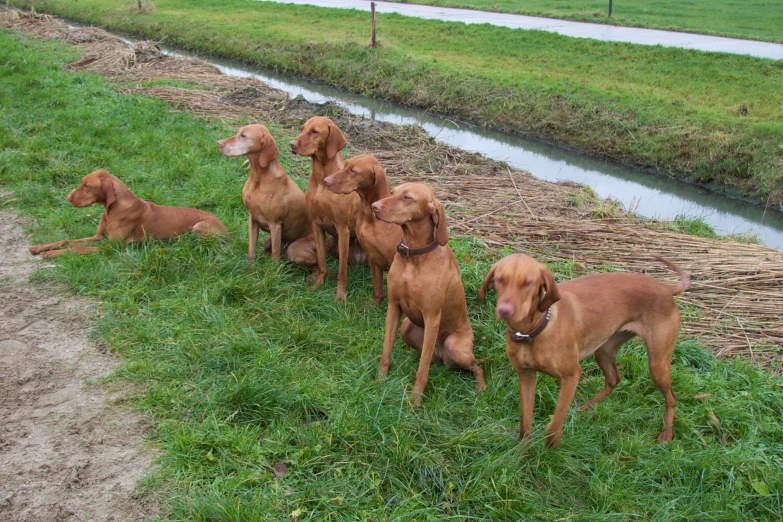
column 553, row 439
column 49, row 254
column 316, row 280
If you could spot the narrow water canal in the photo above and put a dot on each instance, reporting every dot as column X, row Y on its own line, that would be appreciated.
column 649, row 195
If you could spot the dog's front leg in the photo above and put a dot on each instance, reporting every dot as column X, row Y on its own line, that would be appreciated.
column 568, row 385
column 393, row 313
column 276, row 233
column 320, row 254
column 252, row 236
column 343, row 245
column 527, row 395
column 49, row 254
column 431, row 327
column 377, row 282
column 57, row 245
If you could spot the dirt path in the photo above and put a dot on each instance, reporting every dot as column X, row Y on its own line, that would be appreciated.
column 67, row 452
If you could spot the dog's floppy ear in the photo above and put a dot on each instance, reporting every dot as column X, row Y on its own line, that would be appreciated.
column 489, row 283
column 441, row 227
column 107, row 185
column 335, row 142
column 269, row 153
column 548, row 293
column 377, row 172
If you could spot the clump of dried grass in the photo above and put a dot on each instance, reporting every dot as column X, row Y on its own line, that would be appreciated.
column 737, row 289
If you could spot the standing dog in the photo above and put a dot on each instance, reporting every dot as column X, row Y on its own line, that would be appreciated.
column 425, row 286
column 566, row 322
column 128, row 218
column 334, row 213
column 365, row 176
column 275, row 203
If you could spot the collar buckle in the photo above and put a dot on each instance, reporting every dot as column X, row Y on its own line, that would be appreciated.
column 403, row 249
column 519, row 337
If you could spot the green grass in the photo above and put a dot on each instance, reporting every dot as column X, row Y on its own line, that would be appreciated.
column 755, row 21
column 239, row 366
column 709, row 118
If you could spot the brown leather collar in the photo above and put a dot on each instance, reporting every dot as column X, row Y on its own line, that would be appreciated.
column 519, row 337
column 406, row 251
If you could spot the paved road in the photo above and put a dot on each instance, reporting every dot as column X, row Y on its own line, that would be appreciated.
column 565, row 27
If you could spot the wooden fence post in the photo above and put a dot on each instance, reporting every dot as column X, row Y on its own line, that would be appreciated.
column 610, row 8
column 372, row 9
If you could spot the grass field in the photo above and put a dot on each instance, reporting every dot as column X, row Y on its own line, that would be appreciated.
column 709, row 118
column 240, row 367
column 754, row 21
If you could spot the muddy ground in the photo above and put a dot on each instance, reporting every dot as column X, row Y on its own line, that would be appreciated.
column 68, row 450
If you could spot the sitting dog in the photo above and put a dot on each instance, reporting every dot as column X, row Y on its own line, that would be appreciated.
column 322, row 140
column 275, row 203
column 128, row 218
column 365, row 176
column 551, row 327
column 425, row 286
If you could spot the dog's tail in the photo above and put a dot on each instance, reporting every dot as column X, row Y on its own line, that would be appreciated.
column 685, row 279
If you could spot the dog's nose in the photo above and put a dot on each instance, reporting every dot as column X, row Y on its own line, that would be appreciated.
column 69, row 197
column 220, row 143
column 376, row 207
column 294, row 144
column 505, row 310
column 328, row 181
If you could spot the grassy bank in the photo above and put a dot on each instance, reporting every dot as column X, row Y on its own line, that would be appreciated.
column 240, row 367
column 711, row 119
column 754, row 21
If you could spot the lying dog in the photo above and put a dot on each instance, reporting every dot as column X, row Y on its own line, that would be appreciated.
column 128, row 218
column 365, row 176
column 425, row 286
column 275, row 203
column 551, row 327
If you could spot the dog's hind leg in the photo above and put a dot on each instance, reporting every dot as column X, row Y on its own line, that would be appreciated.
column 660, row 346
column 605, row 356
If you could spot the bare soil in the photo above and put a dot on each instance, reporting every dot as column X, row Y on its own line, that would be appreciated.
column 68, row 450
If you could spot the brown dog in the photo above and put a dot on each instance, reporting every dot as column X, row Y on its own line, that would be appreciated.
column 551, row 327
column 365, row 176
column 425, row 286
column 334, row 213
column 275, row 203
column 128, row 218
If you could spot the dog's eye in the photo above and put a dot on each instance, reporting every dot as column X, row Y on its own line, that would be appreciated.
column 406, row 196
column 242, row 135
column 499, row 281
column 314, row 131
